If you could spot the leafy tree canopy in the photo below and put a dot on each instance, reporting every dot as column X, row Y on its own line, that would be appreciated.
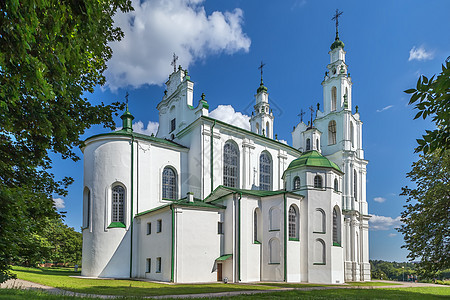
column 426, row 219
column 52, row 52
column 432, row 98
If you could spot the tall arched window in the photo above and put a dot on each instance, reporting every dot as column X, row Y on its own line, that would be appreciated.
column 230, row 165
column 256, row 224
column 118, row 204
column 336, row 228
column 86, row 207
column 319, row 221
column 267, row 129
column 317, row 145
column 293, row 222
column 274, row 251
column 336, row 185
column 169, row 184
column 308, row 144
column 333, row 98
column 355, row 186
column 296, row 183
column 332, row 132
column 318, row 181
column 320, row 252
column 274, row 218
column 265, row 172
column 257, row 128
column 352, row 138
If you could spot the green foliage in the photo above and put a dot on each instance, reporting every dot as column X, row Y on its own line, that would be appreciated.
column 387, row 270
column 51, row 53
column 426, row 218
column 432, row 98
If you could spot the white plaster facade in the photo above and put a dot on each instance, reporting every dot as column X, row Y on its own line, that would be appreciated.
column 204, row 200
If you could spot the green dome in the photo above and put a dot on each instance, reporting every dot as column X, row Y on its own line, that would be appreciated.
column 337, row 43
column 312, row 159
column 261, row 88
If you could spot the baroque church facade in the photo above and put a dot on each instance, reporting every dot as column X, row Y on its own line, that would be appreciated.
column 206, row 201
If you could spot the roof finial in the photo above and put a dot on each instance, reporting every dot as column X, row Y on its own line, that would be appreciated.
column 174, row 62
column 336, row 17
column 261, row 68
column 301, row 115
column 126, row 98
column 311, row 108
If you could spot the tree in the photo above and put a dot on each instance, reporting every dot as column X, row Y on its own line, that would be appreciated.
column 52, row 52
column 426, row 219
column 432, row 98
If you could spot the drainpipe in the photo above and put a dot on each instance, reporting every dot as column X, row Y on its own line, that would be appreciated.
column 285, row 238
column 212, row 155
column 131, row 212
column 172, row 266
column 239, row 237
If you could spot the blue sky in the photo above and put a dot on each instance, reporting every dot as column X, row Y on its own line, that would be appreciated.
column 388, row 43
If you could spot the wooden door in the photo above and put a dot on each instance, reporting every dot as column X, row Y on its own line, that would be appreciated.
column 219, row 272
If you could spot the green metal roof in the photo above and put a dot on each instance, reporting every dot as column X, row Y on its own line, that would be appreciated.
column 183, row 202
column 224, row 257
column 313, row 159
column 337, row 43
column 222, row 191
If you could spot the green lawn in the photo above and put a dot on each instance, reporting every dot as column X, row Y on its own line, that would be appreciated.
column 372, row 283
column 59, row 278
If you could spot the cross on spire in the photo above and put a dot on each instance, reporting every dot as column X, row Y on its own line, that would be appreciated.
column 301, row 114
column 311, row 108
column 261, row 68
column 336, row 18
column 126, row 99
column 174, row 62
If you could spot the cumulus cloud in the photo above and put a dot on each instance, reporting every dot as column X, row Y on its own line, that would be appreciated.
column 379, row 199
column 383, row 223
column 385, row 108
column 156, row 29
column 152, row 127
column 283, row 141
column 420, row 54
column 59, row 203
column 226, row 113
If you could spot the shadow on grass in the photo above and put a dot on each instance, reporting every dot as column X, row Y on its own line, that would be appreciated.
column 48, row 271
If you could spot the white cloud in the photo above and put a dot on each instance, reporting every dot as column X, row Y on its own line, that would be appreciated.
column 379, row 199
column 156, row 29
column 392, row 234
column 152, row 127
column 59, row 203
column 385, row 108
column 227, row 114
column 383, row 223
column 420, row 54
column 283, row 141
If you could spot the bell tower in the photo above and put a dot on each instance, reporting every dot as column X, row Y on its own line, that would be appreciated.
column 261, row 121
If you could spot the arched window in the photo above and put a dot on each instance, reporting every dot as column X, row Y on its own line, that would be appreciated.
column 274, row 251
column 257, row 128
column 336, row 228
column 319, row 221
column 265, row 172
column 332, row 132
column 355, row 186
column 296, row 183
column 293, row 222
column 230, row 165
column 318, row 181
column 308, row 144
column 275, row 220
column 336, row 185
column 118, row 204
column 267, row 129
column 319, row 253
column 169, row 184
column 317, row 145
column 333, row 98
column 352, row 138
column 256, row 224
column 86, row 207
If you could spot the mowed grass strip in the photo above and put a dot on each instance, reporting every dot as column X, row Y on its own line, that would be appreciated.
column 372, row 283
column 60, row 278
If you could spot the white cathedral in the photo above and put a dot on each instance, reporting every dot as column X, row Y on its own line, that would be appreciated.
column 206, row 201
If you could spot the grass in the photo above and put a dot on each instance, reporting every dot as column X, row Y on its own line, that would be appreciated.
column 59, row 278
column 420, row 293
column 372, row 283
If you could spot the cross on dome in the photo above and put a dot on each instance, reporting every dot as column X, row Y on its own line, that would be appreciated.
column 174, row 62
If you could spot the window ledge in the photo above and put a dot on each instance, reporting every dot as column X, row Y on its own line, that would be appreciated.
column 319, row 264
column 274, row 230
column 116, row 225
column 257, row 242
column 294, row 239
column 319, row 232
column 337, row 244
column 274, row 263
column 158, row 272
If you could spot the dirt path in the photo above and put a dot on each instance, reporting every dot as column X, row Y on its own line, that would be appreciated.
column 23, row 284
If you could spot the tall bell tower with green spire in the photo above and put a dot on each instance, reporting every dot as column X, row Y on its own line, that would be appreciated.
column 261, row 121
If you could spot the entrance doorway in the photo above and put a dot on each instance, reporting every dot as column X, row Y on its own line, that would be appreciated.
column 219, row 272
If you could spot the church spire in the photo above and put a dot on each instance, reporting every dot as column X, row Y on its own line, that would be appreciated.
column 261, row 85
column 337, row 43
column 127, row 118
